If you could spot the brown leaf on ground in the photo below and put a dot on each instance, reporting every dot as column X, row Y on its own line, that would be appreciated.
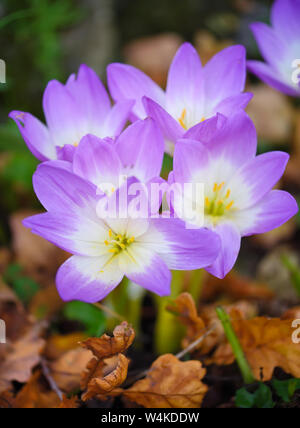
column 66, row 371
column 36, row 395
column 12, row 312
column 57, row 345
column 291, row 314
column 107, row 346
column 237, row 287
column 170, row 383
column 38, row 257
column 45, row 302
column 6, row 400
column 22, row 356
column 102, row 377
column 184, row 307
column 69, row 403
column 267, row 343
column 108, row 369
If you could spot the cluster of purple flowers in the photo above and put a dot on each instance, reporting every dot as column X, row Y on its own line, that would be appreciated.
column 88, row 155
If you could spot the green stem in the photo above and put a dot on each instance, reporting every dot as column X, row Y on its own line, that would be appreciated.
column 168, row 332
column 236, row 346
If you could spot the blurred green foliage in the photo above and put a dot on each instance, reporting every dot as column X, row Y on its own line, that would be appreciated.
column 91, row 317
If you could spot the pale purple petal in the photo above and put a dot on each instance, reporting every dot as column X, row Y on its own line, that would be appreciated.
column 72, row 233
column 205, row 131
column 66, row 153
column 184, row 249
column 150, row 272
column 141, row 150
column 189, row 157
column 170, row 127
column 90, row 93
column 230, row 247
column 86, row 279
column 97, row 161
column 116, row 119
column 61, row 191
column 272, row 47
column 128, row 83
column 272, row 78
column 224, row 75
column 285, row 19
column 273, row 211
column 236, row 141
column 62, row 114
column 185, row 82
column 232, row 105
column 258, row 176
column 35, row 135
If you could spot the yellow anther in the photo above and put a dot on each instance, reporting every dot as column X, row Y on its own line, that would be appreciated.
column 181, row 120
column 228, row 194
column 221, row 202
column 221, row 186
column 113, row 250
column 113, row 190
column 131, row 240
column 110, row 233
column 101, row 271
column 230, row 205
column 207, row 203
column 216, row 187
column 106, row 242
column 203, row 119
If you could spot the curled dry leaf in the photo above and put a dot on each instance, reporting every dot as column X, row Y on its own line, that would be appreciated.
column 170, row 383
column 267, row 343
column 108, row 375
column 108, row 369
column 66, row 370
column 22, row 356
column 184, row 306
column 106, row 346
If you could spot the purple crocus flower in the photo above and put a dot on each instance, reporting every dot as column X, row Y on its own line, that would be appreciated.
column 280, row 47
column 239, row 200
column 107, row 249
column 194, row 93
column 80, row 107
column 138, row 152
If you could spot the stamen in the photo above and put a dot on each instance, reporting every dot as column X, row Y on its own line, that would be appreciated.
column 113, row 250
column 228, row 194
column 181, row 120
column 106, row 242
column 221, row 186
column 230, row 205
column 215, row 187
column 110, row 233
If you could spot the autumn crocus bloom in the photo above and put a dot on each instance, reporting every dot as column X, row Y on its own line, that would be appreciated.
column 239, row 200
column 80, row 107
column 280, row 47
column 107, row 249
column 194, row 93
column 138, row 152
